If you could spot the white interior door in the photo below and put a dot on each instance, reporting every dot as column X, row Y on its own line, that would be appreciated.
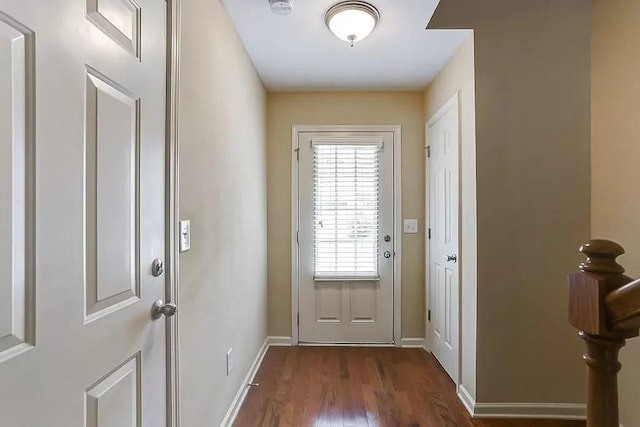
column 82, row 103
column 346, row 255
column 442, row 139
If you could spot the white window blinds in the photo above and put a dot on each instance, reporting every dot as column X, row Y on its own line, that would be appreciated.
column 345, row 209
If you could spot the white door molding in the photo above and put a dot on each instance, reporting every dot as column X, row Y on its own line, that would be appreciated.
column 397, row 219
column 172, row 210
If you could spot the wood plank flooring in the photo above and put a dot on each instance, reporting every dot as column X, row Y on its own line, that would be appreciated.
column 354, row 387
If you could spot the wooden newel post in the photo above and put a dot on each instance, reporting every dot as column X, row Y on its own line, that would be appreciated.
column 599, row 275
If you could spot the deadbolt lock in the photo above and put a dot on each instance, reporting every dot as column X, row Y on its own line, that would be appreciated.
column 157, row 268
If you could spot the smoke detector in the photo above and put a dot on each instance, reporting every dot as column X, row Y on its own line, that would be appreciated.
column 281, row 7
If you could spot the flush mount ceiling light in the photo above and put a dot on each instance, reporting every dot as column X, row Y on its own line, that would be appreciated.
column 352, row 21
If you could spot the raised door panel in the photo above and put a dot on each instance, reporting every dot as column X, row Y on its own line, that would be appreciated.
column 363, row 298
column 120, row 20
column 447, row 301
column 6, row 191
column 447, row 206
column 17, row 310
column 436, row 208
column 112, row 148
column 437, row 292
column 115, row 400
column 328, row 302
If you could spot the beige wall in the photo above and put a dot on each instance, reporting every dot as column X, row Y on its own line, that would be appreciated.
column 223, row 279
column 286, row 110
column 615, row 203
column 533, row 77
column 458, row 77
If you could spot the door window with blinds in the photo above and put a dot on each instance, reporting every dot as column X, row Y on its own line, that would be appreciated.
column 346, row 210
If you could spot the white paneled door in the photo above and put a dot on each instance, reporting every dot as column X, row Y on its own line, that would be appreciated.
column 82, row 105
column 346, row 237
column 442, row 137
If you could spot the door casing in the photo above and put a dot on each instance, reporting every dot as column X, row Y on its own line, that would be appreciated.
column 397, row 219
column 172, row 210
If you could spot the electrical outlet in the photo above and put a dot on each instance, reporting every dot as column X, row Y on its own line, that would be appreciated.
column 229, row 361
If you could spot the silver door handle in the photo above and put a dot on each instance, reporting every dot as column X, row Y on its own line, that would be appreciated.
column 159, row 309
column 452, row 258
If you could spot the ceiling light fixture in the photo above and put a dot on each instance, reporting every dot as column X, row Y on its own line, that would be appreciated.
column 352, row 21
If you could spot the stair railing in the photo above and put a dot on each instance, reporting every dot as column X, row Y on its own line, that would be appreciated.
column 604, row 305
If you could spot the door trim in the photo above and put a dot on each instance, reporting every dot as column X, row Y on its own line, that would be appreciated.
column 397, row 219
column 453, row 102
column 172, row 213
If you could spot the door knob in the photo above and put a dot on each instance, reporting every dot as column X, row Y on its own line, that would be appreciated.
column 159, row 308
column 452, row 258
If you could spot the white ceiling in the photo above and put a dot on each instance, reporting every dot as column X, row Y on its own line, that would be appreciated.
column 297, row 52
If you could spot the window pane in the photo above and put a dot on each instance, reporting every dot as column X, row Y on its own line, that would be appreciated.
column 346, row 187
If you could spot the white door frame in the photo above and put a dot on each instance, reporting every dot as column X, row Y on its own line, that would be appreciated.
column 453, row 102
column 172, row 212
column 397, row 219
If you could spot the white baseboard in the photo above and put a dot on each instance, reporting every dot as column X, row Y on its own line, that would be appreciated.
column 279, row 341
column 467, row 400
column 238, row 400
column 404, row 342
column 338, row 344
column 413, row 343
column 554, row 411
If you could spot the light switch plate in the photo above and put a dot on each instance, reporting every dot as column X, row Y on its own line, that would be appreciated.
column 411, row 226
column 185, row 235
column 229, row 361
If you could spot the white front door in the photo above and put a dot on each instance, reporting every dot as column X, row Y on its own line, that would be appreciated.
column 346, row 234
column 82, row 104
column 442, row 139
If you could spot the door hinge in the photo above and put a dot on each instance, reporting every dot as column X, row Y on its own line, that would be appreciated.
column 297, row 150
column 298, row 237
column 429, row 315
column 429, row 233
column 428, row 151
column 298, row 321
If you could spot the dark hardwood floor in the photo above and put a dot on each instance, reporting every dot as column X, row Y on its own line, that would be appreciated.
column 342, row 386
